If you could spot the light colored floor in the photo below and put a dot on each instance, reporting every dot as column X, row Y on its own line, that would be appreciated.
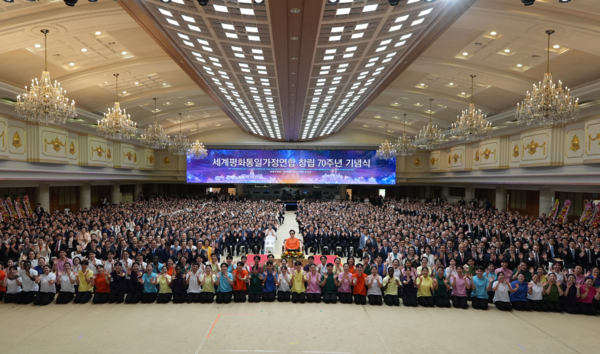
column 287, row 328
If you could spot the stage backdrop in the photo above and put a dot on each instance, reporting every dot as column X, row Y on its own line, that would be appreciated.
column 291, row 166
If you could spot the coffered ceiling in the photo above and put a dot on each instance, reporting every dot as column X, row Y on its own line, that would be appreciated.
column 299, row 70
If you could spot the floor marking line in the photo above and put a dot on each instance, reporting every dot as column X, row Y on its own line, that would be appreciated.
column 377, row 329
column 515, row 314
column 227, row 314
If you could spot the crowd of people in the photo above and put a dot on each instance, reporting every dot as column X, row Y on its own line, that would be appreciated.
column 418, row 253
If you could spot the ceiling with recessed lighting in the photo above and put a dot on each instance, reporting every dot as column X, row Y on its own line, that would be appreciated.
column 299, row 70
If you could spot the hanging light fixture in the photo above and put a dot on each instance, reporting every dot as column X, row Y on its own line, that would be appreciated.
column 472, row 124
column 116, row 124
column 179, row 144
column 405, row 145
column 45, row 102
column 386, row 151
column 430, row 137
column 548, row 104
column 155, row 137
column 197, row 151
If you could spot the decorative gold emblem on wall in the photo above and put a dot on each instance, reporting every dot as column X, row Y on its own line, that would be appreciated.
column 456, row 157
column 56, row 144
column 593, row 139
column 166, row 160
column 17, row 140
column 99, row 151
column 108, row 154
column 575, row 144
column 487, row 152
column 150, row 158
column 477, row 155
column 128, row 155
column 533, row 146
column 2, row 136
column 72, row 148
column 516, row 150
column 433, row 161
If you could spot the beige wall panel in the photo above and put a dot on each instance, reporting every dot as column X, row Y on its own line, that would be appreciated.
column 97, row 151
column 17, row 140
column 535, row 147
column 129, row 156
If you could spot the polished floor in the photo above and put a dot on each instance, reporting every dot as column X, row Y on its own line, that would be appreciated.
column 287, row 328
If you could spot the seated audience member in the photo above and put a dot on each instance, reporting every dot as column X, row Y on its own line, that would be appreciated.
column 240, row 277
column 224, row 284
column 292, row 243
column 313, row 289
column 284, row 291
column 441, row 289
column 391, row 284
column 270, row 279
column 359, row 282
column 298, row 289
column 140, row 252
column 101, row 286
column 502, row 290
column 47, row 285
column 85, row 281
column 209, row 279
column 424, row 285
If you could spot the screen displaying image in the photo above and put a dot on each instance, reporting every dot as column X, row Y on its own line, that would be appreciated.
column 291, row 166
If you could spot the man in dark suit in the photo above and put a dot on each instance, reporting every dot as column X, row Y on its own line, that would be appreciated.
column 570, row 255
column 39, row 210
column 57, row 246
column 588, row 256
column 310, row 239
column 154, row 251
column 460, row 256
column 535, row 259
column 122, row 248
column 244, row 240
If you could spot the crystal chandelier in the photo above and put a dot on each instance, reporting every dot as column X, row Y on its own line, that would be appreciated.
column 45, row 102
column 404, row 144
column 155, row 137
column 116, row 124
column 387, row 151
column 197, row 151
column 179, row 144
column 430, row 137
column 547, row 104
column 471, row 125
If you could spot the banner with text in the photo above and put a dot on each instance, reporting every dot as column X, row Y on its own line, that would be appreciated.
column 291, row 166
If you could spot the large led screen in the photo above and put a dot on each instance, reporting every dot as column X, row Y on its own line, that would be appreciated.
column 291, row 166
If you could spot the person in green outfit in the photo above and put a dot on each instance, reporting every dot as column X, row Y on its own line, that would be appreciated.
column 328, row 285
column 255, row 290
column 441, row 286
column 208, row 286
column 522, row 269
column 366, row 266
column 550, row 295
